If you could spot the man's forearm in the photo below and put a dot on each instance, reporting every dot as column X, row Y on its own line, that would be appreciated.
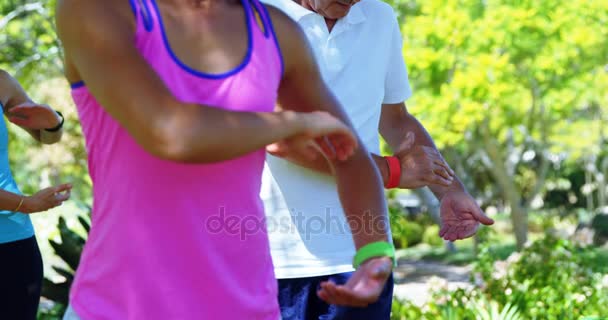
column 440, row 191
column 321, row 165
column 382, row 167
column 422, row 137
column 394, row 131
column 362, row 197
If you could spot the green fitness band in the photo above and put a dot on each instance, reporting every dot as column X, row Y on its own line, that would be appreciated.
column 373, row 250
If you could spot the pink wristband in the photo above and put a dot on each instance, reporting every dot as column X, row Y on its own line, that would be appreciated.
column 394, row 172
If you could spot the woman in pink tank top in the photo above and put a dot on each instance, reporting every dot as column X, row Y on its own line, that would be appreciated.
column 176, row 102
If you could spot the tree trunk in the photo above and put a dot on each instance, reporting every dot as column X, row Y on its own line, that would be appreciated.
column 602, row 184
column 589, row 194
column 476, row 245
column 519, row 216
column 429, row 201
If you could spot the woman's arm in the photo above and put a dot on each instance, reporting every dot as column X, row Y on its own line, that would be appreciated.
column 10, row 201
column 40, row 121
column 108, row 62
column 43, row 200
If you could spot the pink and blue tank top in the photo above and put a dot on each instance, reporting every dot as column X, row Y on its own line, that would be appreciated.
column 171, row 240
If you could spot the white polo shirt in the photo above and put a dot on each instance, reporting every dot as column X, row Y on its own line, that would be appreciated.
column 361, row 61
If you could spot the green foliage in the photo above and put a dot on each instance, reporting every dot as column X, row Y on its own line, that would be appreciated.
column 405, row 233
column 397, row 222
column 549, row 280
column 492, row 311
column 514, row 62
column 30, row 47
column 55, row 313
column 31, row 52
column 431, row 236
column 412, row 232
column 404, row 310
column 514, row 92
column 456, row 305
column 600, row 226
column 69, row 250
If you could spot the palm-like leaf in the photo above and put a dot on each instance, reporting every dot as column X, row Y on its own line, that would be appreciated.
column 69, row 250
column 490, row 310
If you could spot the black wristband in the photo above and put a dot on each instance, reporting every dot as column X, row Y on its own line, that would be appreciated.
column 59, row 126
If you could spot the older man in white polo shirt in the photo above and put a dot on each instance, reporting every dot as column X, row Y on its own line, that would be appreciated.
column 359, row 52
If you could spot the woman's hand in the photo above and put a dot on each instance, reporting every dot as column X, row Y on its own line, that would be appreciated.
column 33, row 116
column 321, row 134
column 46, row 199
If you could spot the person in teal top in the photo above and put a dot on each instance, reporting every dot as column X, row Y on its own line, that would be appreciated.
column 20, row 260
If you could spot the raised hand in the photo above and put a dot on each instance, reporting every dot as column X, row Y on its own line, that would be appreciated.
column 363, row 287
column 46, row 199
column 460, row 216
column 321, row 134
column 421, row 165
column 33, row 116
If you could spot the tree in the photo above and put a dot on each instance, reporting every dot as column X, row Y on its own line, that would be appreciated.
column 31, row 51
column 513, row 87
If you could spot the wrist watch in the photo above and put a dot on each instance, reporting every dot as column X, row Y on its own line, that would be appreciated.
column 59, row 126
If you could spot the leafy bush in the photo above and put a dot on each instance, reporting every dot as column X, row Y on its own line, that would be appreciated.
column 600, row 226
column 69, row 250
column 431, row 236
column 455, row 305
column 413, row 233
column 549, row 280
column 404, row 309
column 55, row 313
column 405, row 233
column 396, row 219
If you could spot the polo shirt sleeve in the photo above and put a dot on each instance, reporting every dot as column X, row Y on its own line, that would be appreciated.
column 396, row 84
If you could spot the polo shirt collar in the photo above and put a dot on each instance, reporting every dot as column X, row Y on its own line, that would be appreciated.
column 354, row 16
column 297, row 12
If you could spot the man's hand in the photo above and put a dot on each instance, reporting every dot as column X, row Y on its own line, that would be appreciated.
column 421, row 165
column 33, row 116
column 363, row 287
column 460, row 216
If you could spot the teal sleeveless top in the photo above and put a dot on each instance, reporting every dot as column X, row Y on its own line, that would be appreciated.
column 13, row 225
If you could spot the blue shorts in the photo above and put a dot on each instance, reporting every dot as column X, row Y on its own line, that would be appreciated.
column 299, row 301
